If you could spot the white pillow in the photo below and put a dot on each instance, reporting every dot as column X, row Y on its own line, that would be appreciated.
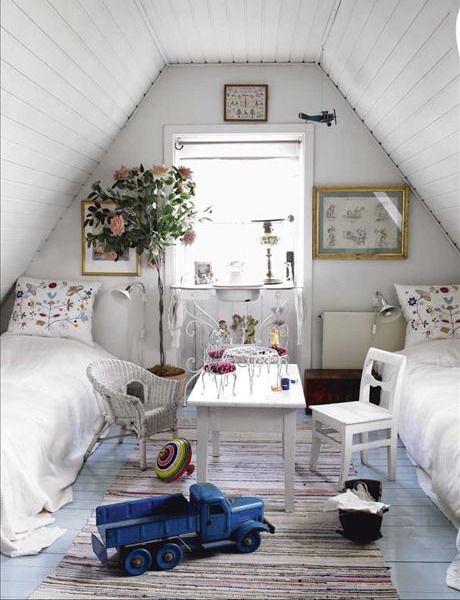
column 431, row 311
column 54, row 308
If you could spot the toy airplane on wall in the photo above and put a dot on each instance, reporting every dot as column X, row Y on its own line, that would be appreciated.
column 323, row 117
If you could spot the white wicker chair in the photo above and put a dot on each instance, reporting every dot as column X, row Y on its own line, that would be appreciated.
column 158, row 411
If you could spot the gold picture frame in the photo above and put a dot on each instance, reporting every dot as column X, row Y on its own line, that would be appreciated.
column 360, row 222
column 246, row 102
column 95, row 263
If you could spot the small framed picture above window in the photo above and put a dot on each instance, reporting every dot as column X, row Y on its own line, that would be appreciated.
column 360, row 223
column 203, row 273
column 245, row 102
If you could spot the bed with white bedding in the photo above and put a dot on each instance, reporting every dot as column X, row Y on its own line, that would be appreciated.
column 429, row 426
column 429, row 423
column 49, row 416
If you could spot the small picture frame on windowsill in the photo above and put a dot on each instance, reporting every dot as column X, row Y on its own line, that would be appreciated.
column 203, row 273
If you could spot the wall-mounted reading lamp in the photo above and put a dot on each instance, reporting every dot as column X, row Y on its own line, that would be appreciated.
column 123, row 296
column 383, row 310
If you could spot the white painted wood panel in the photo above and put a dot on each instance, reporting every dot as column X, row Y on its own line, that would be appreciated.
column 21, row 155
column 28, row 137
column 439, row 151
column 21, row 190
column 72, row 73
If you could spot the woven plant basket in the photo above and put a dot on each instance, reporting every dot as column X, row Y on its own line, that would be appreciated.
column 169, row 372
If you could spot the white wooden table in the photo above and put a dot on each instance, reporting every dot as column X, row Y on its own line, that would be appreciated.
column 261, row 411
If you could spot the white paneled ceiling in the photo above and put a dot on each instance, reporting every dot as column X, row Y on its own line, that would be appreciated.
column 73, row 71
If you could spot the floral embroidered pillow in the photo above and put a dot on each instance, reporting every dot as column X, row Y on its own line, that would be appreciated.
column 431, row 311
column 54, row 308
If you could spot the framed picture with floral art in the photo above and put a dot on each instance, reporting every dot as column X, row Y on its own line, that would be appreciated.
column 95, row 260
column 360, row 223
column 245, row 102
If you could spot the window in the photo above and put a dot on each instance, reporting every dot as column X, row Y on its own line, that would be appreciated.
column 243, row 179
column 216, row 509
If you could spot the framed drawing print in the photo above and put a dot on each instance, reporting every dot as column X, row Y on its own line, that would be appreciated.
column 360, row 222
column 245, row 102
column 97, row 261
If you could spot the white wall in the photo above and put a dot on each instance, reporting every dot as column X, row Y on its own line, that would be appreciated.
column 345, row 154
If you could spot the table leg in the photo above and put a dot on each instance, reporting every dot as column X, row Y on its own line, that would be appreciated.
column 289, row 457
column 215, row 443
column 202, row 436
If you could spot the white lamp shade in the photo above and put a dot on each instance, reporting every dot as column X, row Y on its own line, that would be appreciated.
column 121, row 296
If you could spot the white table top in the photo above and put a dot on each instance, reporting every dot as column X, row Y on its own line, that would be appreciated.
column 262, row 395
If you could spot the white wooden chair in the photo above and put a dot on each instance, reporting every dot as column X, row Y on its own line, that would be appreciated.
column 351, row 418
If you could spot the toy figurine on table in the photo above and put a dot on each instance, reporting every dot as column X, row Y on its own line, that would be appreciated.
column 156, row 530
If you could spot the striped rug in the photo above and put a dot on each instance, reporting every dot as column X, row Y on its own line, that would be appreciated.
column 305, row 558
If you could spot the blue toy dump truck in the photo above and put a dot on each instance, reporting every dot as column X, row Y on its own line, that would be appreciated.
column 156, row 530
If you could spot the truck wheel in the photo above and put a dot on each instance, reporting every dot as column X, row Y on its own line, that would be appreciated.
column 248, row 542
column 168, row 556
column 137, row 561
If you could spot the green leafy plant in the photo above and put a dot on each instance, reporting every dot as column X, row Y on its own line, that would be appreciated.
column 153, row 208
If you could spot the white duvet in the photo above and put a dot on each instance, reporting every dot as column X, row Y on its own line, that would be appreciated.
column 429, row 426
column 48, row 417
column 429, row 422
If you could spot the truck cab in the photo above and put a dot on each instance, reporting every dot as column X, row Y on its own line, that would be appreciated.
column 219, row 517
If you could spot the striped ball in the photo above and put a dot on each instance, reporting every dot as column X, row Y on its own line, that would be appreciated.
column 174, row 460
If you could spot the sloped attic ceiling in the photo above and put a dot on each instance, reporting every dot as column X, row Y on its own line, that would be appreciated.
column 74, row 70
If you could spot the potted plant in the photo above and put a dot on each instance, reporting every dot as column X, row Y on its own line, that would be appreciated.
column 153, row 208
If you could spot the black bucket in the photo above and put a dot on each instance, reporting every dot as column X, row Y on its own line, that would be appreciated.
column 359, row 526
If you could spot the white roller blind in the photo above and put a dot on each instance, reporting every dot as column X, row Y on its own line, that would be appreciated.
column 195, row 150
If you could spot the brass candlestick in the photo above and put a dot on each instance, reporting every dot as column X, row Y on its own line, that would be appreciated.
column 269, row 239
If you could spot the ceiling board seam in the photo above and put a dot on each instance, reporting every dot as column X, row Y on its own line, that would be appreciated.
column 140, row 7
column 412, row 156
column 13, row 162
column 443, row 177
column 30, row 200
column 424, row 128
column 408, row 63
column 145, row 70
column 213, row 29
column 229, row 36
column 447, row 208
column 109, row 118
column 75, row 196
column 422, row 106
column 387, row 154
column 294, row 29
column 330, row 24
column 35, row 187
column 47, row 115
column 47, row 156
column 358, row 39
column 393, row 48
column 60, row 49
column 431, row 165
column 411, row 89
column 371, row 49
column 121, row 56
column 68, row 106
column 85, row 45
column 35, row 131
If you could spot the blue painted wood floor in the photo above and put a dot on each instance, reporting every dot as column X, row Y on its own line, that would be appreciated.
column 418, row 542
